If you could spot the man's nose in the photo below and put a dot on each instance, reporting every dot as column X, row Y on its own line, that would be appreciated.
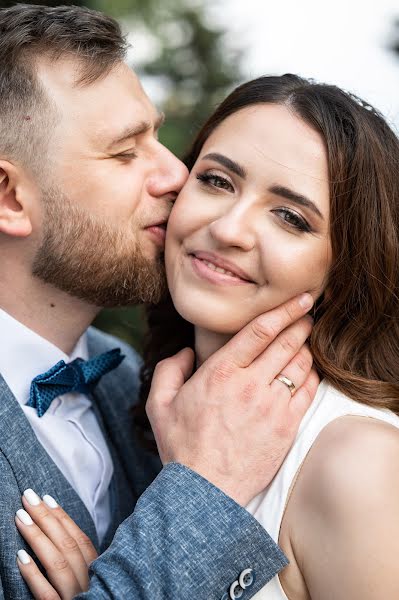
column 168, row 176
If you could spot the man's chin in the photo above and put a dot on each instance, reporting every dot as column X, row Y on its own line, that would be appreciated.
column 145, row 283
column 149, row 296
column 95, row 263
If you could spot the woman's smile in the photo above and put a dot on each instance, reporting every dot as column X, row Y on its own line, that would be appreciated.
column 217, row 270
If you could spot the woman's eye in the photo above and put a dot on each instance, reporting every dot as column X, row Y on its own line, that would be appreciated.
column 294, row 219
column 215, row 181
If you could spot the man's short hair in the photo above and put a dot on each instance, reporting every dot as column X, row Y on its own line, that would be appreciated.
column 28, row 32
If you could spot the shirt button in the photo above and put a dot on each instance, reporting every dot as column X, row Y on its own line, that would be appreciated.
column 236, row 591
column 246, row 578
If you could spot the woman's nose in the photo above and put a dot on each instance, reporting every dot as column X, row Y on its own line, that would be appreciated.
column 234, row 229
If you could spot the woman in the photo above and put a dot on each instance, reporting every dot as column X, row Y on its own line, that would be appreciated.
column 294, row 187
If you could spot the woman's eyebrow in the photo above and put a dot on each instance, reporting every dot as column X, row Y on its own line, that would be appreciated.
column 231, row 165
column 288, row 194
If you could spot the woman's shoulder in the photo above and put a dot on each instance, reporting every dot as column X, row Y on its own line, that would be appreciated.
column 336, row 428
column 352, row 456
column 343, row 506
column 341, row 519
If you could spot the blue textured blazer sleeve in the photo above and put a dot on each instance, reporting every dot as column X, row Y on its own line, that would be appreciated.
column 185, row 540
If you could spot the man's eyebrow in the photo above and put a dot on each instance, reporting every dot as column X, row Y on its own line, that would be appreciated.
column 137, row 129
column 231, row 165
column 288, row 194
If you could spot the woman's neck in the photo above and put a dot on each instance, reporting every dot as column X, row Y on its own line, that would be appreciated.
column 207, row 343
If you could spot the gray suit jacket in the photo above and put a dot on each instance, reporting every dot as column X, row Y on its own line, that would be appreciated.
column 185, row 538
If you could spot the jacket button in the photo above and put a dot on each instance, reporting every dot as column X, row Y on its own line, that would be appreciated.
column 236, row 591
column 246, row 578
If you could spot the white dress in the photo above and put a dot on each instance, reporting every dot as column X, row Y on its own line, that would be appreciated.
column 268, row 507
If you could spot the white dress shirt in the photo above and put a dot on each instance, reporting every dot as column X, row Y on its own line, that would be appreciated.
column 69, row 430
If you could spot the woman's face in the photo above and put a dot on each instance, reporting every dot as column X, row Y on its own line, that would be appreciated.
column 250, row 228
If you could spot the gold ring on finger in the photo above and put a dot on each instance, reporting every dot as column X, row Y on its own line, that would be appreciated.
column 290, row 384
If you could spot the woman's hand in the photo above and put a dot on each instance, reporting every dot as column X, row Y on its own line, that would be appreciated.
column 62, row 548
column 235, row 400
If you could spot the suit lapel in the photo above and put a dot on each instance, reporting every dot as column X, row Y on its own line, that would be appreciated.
column 32, row 466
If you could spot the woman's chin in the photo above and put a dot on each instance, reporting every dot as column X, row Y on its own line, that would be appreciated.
column 210, row 321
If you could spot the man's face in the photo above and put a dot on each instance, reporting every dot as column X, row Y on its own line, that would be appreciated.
column 108, row 192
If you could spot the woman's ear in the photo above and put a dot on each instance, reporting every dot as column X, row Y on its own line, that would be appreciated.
column 15, row 200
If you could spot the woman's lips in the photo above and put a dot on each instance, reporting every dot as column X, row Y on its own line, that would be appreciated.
column 222, row 263
column 214, row 274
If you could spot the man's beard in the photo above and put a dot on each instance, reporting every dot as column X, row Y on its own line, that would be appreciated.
column 88, row 259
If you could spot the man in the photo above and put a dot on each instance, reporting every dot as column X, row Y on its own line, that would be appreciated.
column 85, row 192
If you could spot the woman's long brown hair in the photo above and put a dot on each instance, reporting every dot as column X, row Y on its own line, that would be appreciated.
column 355, row 339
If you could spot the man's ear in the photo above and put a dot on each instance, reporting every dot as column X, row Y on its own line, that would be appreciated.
column 15, row 200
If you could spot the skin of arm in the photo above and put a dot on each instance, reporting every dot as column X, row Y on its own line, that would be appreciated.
column 346, row 542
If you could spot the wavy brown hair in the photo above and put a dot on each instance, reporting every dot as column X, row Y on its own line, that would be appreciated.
column 355, row 339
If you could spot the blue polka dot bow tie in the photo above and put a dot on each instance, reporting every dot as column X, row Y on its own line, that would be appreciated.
column 77, row 376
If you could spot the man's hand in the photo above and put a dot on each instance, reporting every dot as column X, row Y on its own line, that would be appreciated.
column 233, row 422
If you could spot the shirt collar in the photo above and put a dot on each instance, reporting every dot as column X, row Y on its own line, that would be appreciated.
column 24, row 354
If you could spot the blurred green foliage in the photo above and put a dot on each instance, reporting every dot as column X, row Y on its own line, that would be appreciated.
column 194, row 70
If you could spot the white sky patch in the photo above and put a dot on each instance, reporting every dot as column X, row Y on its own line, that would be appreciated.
column 342, row 42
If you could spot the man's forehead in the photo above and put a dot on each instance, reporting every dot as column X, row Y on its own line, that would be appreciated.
column 62, row 76
column 106, row 109
column 117, row 131
column 56, row 73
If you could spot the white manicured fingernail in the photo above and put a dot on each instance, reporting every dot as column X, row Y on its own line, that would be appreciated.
column 23, row 557
column 32, row 497
column 24, row 517
column 49, row 500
